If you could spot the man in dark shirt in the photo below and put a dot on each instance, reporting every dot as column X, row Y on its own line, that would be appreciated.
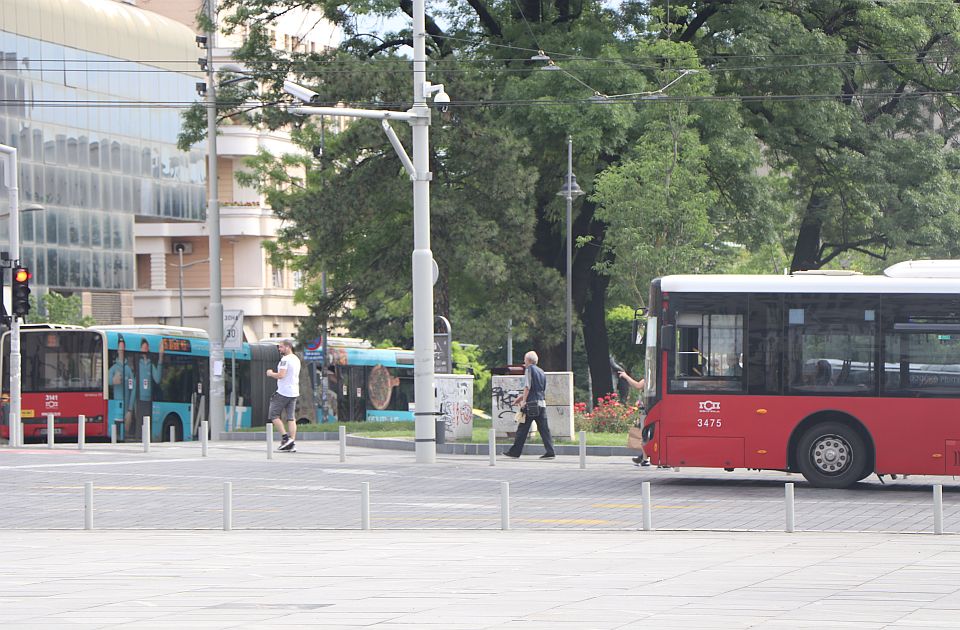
column 533, row 401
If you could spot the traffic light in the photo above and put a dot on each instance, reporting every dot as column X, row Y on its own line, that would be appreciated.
column 21, row 291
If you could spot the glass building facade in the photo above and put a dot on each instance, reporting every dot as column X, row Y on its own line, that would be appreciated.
column 96, row 141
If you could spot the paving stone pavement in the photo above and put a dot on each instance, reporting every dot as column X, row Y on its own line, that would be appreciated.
column 172, row 487
column 471, row 579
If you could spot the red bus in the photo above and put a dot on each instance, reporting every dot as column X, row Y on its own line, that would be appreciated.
column 834, row 375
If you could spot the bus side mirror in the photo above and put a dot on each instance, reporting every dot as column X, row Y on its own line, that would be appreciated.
column 637, row 331
column 668, row 337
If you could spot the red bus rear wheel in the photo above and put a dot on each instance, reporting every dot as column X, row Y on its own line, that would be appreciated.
column 832, row 455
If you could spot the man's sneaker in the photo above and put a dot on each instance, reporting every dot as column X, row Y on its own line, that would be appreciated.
column 510, row 455
column 548, row 456
column 645, row 462
column 284, row 441
column 288, row 446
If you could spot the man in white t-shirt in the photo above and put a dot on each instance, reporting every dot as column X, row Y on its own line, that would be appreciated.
column 284, row 401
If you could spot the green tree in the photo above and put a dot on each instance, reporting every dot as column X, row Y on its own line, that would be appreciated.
column 855, row 103
column 60, row 309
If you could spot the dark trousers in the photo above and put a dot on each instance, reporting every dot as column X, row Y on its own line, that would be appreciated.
column 523, row 429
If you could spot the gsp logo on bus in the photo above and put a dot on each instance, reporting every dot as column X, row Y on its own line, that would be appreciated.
column 713, row 408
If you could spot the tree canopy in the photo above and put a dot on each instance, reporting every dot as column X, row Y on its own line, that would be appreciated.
column 702, row 129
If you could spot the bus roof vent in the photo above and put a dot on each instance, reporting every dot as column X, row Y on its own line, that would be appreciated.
column 827, row 272
column 924, row 269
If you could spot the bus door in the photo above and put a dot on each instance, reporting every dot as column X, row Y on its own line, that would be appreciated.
column 352, row 403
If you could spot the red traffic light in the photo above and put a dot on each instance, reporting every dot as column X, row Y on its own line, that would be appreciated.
column 22, row 275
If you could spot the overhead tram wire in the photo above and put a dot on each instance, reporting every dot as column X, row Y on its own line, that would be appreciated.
column 522, row 102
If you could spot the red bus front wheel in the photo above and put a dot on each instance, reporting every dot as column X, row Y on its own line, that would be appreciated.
column 832, row 455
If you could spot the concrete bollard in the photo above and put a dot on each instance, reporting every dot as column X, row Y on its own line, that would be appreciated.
column 81, row 431
column 647, row 507
column 227, row 506
column 938, row 509
column 51, row 434
column 342, row 430
column 269, row 429
column 504, row 505
column 365, row 505
column 788, row 500
column 146, row 434
column 173, row 434
column 583, row 449
column 113, row 432
column 492, row 445
column 204, row 434
column 88, row 505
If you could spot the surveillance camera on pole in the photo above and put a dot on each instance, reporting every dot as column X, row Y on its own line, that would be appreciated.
column 299, row 92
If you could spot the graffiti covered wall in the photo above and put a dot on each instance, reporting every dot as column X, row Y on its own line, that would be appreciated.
column 455, row 404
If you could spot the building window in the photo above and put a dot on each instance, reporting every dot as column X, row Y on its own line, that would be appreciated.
column 277, row 276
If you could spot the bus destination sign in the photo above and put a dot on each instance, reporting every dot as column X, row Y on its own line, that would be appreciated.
column 171, row 344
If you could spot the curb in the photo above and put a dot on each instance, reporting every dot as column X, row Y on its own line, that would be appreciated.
column 394, row 444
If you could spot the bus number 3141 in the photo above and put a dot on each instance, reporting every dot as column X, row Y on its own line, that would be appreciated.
column 709, row 423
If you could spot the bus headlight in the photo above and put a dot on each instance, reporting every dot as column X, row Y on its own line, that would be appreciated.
column 648, row 432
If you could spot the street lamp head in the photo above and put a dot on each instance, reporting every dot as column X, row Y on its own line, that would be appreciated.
column 573, row 190
column 540, row 56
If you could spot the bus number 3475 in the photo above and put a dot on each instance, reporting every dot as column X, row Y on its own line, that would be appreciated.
column 709, row 423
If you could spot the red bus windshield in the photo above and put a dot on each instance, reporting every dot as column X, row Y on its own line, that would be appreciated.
column 57, row 361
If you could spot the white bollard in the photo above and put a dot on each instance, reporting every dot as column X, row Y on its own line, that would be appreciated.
column 146, row 434
column 204, row 430
column 88, row 505
column 113, row 432
column 173, row 434
column 81, row 431
column 227, row 506
column 788, row 499
column 51, row 435
column 365, row 505
column 504, row 505
column 342, row 430
column 583, row 449
column 647, row 507
column 492, row 445
column 938, row 509
column 269, row 429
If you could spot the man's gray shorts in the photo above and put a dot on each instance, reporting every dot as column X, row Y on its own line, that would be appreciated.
column 283, row 407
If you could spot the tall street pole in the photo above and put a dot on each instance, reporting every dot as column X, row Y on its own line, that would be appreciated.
column 418, row 117
column 215, row 312
column 423, row 368
column 10, row 175
column 569, row 254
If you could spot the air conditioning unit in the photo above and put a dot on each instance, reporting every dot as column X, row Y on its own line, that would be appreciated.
column 182, row 246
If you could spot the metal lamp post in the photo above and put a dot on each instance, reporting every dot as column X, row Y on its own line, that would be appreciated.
column 10, row 179
column 569, row 190
column 215, row 321
column 418, row 117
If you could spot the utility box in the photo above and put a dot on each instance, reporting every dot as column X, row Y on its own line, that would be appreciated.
column 455, row 405
column 506, row 389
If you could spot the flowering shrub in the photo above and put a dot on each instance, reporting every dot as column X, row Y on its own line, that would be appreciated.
column 608, row 416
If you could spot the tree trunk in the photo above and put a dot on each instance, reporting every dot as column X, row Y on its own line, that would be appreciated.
column 595, row 336
column 806, row 253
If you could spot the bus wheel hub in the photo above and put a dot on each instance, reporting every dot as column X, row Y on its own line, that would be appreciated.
column 831, row 454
